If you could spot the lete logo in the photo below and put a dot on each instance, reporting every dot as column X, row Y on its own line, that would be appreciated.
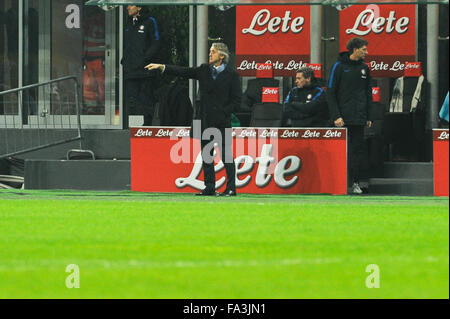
column 366, row 22
column 264, row 66
column 413, row 66
column 289, row 165
column 444, row 136
column 263, row 20
column 270, row 91
column 270, row 95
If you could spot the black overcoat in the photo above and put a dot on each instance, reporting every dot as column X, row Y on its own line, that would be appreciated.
column 218, row 98
column 349, row 92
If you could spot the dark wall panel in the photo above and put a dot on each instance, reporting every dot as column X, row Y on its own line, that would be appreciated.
column 78, row 174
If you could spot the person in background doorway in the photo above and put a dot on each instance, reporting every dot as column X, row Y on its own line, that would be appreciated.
column 141, row 46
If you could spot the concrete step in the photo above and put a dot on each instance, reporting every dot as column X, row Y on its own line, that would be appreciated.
column 78, row 174
column 415, row 170
column 401, row 186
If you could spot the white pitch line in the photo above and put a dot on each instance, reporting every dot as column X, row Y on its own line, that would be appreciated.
column 21, row 265
column 124, row 264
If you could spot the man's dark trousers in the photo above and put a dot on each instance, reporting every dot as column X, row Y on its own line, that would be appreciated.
column 139, row 99
column 227, row 158
column 355, row 151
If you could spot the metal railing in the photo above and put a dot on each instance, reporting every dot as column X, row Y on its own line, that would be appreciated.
column 38, row 123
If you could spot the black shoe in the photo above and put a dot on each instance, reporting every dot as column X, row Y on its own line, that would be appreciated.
column 228, row 193
column 206, row 193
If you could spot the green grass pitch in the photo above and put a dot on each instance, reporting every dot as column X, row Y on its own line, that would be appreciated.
column 134, row 245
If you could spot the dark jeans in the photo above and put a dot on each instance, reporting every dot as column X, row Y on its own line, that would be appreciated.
column 355, row 152
column 139, row 99
column 226, row 152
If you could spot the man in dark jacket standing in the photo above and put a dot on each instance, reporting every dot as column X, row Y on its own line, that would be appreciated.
column 349, row 98
column 141, row 45
column 220, row 95
column 306, row 104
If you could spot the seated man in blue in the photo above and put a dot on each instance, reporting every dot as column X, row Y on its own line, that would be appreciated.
column 306, row 104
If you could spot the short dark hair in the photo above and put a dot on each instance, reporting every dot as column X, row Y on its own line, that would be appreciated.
column 144, row 10
column 356, row 43
column 308, row 73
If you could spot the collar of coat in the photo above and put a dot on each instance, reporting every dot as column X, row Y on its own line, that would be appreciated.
column 227, row 68
column 220, row 68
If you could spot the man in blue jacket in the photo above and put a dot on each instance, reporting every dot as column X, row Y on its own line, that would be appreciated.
column 349, row 97
column 306, row 104
column 141, row 46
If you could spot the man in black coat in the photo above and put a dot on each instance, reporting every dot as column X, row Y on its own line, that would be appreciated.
column 306, row 104
column 220, row 95
column 349, row 98
column 141, row 46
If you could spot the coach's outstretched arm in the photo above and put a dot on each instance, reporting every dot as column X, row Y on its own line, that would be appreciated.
column 190, row 73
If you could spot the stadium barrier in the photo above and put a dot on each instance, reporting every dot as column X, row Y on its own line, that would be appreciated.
column 8, row 179
column 39, row 116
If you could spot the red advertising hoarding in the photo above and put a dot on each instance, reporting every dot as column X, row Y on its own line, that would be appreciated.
column 317, row 68
column 441, row 170
column 390, row 31
column 264, row 71
column 413, row 69
column 376, row 96
column 270, row 95
column 272, row 34
column 268, row 161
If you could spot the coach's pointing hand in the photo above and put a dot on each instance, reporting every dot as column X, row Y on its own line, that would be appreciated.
column 339, row 122
column 154, row 66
